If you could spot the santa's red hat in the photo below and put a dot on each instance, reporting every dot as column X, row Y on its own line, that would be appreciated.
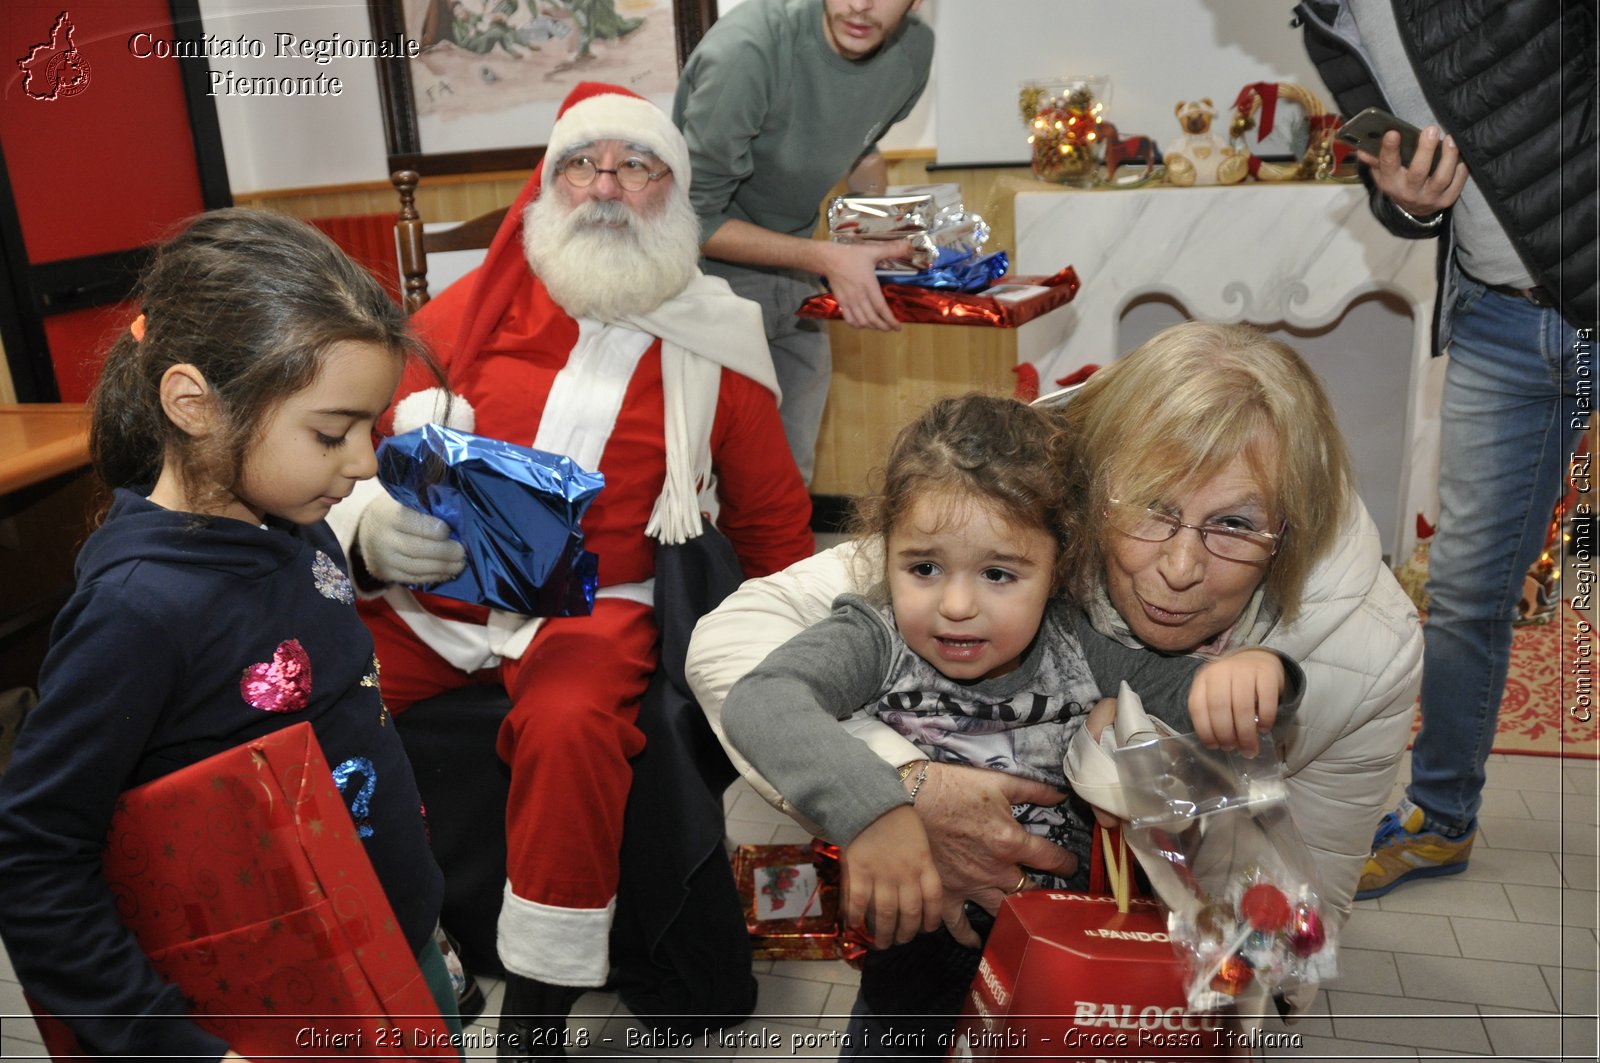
column 595, row 111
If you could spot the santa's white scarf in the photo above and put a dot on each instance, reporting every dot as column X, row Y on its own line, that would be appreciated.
column 704, row 329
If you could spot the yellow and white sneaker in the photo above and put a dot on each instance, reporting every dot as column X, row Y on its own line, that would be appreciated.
column 1402, row 850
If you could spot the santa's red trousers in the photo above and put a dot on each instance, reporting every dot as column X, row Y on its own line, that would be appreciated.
column 568, row 738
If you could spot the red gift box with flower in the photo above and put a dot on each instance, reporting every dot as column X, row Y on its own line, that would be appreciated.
column 244, row 880
column 791, row 907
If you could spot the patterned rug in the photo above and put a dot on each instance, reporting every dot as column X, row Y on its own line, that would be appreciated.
column 1550, row 685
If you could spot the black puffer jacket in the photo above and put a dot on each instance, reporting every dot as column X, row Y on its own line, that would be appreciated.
column 1514, row 82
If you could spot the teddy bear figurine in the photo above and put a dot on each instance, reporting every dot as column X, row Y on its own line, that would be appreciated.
column 1200, row 156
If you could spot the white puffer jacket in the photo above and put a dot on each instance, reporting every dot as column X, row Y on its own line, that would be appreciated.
column 1357, row 637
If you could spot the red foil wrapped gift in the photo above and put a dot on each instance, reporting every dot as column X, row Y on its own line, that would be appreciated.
column 245, row 883
column 791, row 907
column 931, row 306
column 853, row 940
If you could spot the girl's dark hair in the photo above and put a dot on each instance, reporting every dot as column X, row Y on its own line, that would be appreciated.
column 253, row 300
column 995, row 451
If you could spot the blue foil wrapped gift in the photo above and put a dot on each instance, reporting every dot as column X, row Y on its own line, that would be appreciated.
column 955, row 271
column 516, row 510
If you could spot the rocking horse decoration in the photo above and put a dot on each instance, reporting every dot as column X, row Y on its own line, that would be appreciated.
column 1121, row 149
column 1257, row 104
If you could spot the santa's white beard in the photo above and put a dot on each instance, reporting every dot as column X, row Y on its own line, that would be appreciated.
column 601, row 260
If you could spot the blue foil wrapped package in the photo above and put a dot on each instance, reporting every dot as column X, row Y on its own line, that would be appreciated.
column 516, row 511
column 957, row 272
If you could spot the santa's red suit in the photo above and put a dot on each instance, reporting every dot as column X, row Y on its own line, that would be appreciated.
column 533, row 375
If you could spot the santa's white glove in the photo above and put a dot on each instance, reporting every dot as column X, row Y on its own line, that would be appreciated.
column 401, row 545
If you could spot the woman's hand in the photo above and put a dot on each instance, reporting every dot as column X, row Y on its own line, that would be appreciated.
column 890, row 884
column 1414, row 189
column 1099, row 718
column 1233, row 699
column 978, row 846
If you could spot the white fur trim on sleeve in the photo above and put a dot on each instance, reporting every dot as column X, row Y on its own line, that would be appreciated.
column 434, row 406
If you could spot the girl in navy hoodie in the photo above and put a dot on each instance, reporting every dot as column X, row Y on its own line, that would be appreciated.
column 235, row 411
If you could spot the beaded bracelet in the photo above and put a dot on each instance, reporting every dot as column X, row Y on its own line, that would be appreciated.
column 922, row 777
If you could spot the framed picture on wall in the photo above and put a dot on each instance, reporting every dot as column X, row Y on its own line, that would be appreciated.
column 489, row 75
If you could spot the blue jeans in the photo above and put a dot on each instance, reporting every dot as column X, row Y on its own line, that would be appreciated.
column 1510, row 420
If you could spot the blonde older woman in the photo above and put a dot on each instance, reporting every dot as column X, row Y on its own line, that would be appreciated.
column 1215, row 511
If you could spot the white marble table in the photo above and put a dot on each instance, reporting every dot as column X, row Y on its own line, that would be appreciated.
column 1295, row 253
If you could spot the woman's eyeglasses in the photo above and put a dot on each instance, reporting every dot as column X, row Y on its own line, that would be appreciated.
column 632, row 173
column 1227, row 541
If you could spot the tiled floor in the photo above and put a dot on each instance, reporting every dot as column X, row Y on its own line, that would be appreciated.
column 1499, row 962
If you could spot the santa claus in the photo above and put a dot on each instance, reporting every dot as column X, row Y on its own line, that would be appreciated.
column 589, row 331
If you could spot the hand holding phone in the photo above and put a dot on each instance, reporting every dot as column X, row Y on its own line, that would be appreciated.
column 1365, row 133
column 1421, row 195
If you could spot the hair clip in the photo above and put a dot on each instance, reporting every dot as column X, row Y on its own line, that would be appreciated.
column 136, row 326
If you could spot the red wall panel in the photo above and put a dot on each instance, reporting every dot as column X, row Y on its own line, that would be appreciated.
column 111, row 165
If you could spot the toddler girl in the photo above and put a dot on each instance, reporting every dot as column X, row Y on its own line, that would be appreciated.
column 969, row 653
column 229, row 418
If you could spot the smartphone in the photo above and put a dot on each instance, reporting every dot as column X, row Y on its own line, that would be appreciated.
column 1365, row 131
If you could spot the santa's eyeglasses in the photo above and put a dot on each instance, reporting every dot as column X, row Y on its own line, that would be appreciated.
column 632, row 173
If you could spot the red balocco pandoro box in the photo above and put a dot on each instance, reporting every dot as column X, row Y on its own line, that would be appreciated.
column 1066, row 976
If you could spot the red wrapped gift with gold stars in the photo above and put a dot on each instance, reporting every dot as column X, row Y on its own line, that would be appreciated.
column 245, row 883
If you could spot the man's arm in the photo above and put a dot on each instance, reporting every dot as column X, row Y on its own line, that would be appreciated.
column 851, row 269
column 765, row 510
column 721, row 107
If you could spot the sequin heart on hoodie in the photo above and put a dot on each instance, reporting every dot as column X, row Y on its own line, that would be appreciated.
column 282, row 684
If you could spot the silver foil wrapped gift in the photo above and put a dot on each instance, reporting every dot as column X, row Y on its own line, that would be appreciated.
column 517, row 512
column 930, row 217
column 890, row 216
column 959, row 236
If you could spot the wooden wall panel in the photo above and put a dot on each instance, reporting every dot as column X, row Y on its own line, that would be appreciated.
column 881, row 380
column 453, row 198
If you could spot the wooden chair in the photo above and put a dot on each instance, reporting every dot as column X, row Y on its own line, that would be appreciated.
column 416, row 244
